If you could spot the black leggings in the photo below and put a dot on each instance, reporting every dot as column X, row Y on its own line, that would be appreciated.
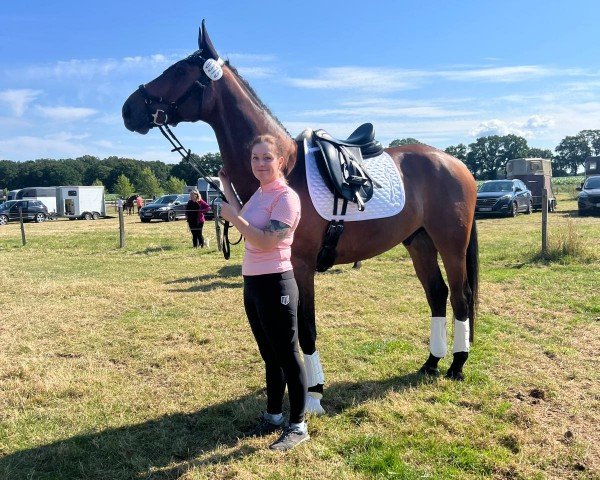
column 271, row 303
column 197, row 238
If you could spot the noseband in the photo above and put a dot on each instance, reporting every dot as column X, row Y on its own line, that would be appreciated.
column 211, row 71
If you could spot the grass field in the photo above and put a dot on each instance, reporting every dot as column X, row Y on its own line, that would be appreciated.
column 138, row 363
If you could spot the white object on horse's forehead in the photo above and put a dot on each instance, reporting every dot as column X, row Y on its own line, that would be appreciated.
column 213, row 69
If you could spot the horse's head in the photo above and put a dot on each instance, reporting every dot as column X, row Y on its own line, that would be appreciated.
column 179, row 94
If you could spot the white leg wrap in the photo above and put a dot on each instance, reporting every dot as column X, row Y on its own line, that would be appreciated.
column 438, row 339
column 314, row 370
column 461, row 336
column 313, row 403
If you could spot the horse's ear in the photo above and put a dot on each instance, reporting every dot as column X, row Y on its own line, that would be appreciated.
column 204, row 43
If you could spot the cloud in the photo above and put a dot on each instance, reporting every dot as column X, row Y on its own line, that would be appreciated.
column 373, row 79
column 390, row 79
column 390, row 107
column 501, row 74
column 66, row 113
column 60, row 145
column 19, row 99
column 527, row 128
column 91, row 68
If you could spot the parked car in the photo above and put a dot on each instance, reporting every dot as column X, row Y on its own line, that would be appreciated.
column 504, row 197
column 166, row 208
column 32, row 210
column 588, row 201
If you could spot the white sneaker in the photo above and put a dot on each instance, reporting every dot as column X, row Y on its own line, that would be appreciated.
column 313, row 405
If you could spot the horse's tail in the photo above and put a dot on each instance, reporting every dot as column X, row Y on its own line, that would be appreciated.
column 473, row 278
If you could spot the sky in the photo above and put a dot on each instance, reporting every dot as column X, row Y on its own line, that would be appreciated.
column 441, row 71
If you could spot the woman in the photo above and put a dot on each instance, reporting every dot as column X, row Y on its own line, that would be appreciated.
column 268, row 221
column 194, row 212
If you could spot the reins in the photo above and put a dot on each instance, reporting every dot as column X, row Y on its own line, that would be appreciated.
column 187, row 156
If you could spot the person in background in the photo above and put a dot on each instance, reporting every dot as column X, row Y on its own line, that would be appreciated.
column 119, row 204
column 268, row 221
column 140, row 202
column 194, row 212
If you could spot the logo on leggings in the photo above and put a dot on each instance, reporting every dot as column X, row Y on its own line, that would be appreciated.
column 285, row 299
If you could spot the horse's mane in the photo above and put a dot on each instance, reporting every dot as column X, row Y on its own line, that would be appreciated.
column 255, row 96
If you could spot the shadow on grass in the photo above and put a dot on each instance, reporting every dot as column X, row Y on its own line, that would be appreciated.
column 206, row 283
column 167, row 447
column 151, row 250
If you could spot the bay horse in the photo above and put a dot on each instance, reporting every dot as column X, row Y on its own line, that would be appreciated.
column 438, row 216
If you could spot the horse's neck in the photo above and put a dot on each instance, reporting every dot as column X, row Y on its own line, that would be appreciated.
column 237, row 119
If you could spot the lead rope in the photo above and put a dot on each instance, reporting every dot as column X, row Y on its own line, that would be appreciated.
column 187, row 156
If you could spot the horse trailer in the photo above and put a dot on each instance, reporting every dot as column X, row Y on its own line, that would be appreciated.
column 81, row 202
column 12, row 195
column 536, row 173
column 592, row 166
column 46, row 195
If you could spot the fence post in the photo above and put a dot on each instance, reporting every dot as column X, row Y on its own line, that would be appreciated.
column 121, row 228
column 544, row 223
column 23, row 239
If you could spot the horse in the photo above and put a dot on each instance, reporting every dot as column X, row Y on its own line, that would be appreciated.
column 129, row 204
column 438, row 216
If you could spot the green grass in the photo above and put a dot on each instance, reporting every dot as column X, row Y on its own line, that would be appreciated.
column 138, row 363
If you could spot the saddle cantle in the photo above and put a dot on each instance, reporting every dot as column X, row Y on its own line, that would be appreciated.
column 340, row 163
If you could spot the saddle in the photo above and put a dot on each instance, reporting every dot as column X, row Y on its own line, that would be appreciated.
column 340, row 164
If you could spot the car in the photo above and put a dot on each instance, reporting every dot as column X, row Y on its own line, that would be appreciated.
column 504, row 197
column 588, row 201
column 32, row 210
column 166, row 208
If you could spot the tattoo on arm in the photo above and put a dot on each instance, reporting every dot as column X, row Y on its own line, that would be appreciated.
column 277, row 228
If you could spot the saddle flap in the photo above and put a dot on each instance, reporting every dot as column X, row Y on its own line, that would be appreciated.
column 341, row 168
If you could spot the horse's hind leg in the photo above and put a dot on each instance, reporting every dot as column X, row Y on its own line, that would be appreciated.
column 460, row 293
column 424, row 257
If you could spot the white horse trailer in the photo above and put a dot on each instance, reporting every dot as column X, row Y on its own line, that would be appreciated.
column 81, row 202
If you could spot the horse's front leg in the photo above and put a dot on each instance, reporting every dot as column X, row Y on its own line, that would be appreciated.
column 307, row 337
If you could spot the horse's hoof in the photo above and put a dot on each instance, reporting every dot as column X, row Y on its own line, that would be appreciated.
column 313, row 405
column 452, row 375
column 427, row 370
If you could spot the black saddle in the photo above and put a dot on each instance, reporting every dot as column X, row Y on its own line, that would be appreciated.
column 363, row 137
column 340, row 164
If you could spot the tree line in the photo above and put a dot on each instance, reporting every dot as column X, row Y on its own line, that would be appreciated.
column 123, row 176
column 486, row 159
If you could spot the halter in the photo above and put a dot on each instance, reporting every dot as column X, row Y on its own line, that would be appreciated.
column 211, row 71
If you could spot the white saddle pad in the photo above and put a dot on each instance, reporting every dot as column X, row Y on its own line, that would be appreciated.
column 387, row 200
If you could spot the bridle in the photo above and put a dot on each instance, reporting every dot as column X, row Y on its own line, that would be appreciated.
column 211, row 71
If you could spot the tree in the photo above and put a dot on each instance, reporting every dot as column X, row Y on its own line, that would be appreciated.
column 210, row 163
column 97, row 183
column 540, row 153
column 123, row 187
column 487, row 157
column 459, row 151
column 404, row 141
column 147, row 184
column 174, row 185
column 571, row 153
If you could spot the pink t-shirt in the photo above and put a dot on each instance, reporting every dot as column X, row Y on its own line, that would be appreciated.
column 275, row 201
